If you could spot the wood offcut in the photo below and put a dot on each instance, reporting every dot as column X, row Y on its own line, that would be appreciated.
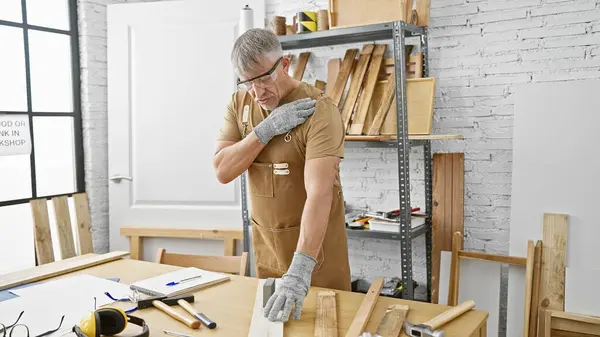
column 392, row 321
column 301, row 66
column 535, row 294
column 333, row 69
column 356, row 84
column 326, row 315
column 342, row 78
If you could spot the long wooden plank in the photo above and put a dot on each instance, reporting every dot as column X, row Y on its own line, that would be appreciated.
column 333, row 69
column 535, row 294
column 392, row 321
column 366, row 308
column 63, row 226
column 352, row 95
column 357, row 126
column 84, row 224
column 514, row 260
column 301, row 66
column 326, row 315
column 384, row 107
column 528, row 286
column 57, row 268
column 340, row 83
column 260, row 326
column 554, row 243
column 42, row 236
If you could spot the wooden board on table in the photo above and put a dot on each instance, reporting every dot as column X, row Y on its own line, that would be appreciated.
column 333, row 69
column 44, row 251
column 260, row 326
column 480, row 282
column 342, row 78
column 62, row 267
column 392, row 321
column 301, row 66
column 358, row 123
column 356, row 84
column 448, row 207
column 366, row 308
column 554, row 241
column 350, row 13
column 326, row 315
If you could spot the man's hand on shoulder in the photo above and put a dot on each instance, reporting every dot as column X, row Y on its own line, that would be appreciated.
column 284, row 118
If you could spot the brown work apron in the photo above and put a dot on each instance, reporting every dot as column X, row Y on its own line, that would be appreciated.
column 278, row 195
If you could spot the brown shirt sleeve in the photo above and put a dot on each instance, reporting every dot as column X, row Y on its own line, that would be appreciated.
column 230, row 130
column 325, row 132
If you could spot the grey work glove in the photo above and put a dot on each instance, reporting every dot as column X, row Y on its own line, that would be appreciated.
column 284, row 118
column 292, row 291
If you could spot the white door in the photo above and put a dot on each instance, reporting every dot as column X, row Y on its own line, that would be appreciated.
column 169, row 81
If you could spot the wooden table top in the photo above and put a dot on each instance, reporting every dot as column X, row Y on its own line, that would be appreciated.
column 230, row 305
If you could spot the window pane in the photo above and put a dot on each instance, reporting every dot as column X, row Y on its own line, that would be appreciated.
column 16, row 249
column 15, row 177
column 48, row 13
column 54, row 155
column 13, row 88
column 51, row 87
column 10, row 10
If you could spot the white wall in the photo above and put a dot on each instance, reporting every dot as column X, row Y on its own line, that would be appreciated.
column 479, row 50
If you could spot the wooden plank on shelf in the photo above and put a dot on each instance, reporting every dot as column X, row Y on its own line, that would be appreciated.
column 342, row 78
column 333, row 69
column 383, row 108
column 366, row 308
column 554, row 246
column 357, row 126
column 420, row 93
column 301, row 66
column 44, row 251
column 260, row 326
column 63, row 226
column 57, row 268
column 356, row 84
column 351, row 13
column 423, row 12
column 366, row 138
column 392, row 321
column 326, row 315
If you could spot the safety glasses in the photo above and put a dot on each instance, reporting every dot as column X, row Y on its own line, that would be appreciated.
column 23, row 330
column 261, row 80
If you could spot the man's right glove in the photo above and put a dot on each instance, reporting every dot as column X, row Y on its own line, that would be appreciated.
column 284, row 118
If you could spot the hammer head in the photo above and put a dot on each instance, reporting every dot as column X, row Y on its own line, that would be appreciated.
column 421, row 330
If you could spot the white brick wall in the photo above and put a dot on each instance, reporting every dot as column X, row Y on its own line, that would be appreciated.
column 479, row 50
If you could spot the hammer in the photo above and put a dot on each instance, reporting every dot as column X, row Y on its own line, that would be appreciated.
column 163, row 303
column 428, row 329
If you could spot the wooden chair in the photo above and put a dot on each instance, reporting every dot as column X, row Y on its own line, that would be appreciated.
column 43, row 239
column 222, row 264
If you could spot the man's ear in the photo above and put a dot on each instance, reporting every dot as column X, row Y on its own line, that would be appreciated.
column 285, row 63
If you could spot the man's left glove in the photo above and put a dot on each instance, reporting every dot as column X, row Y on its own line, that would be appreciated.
column 292, row 291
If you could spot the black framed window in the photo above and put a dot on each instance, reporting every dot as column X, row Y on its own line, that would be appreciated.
column 39, row 101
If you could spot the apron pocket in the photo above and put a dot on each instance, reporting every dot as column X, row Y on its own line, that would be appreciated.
column 260, row 178
column 286, row 241
column 263, row 246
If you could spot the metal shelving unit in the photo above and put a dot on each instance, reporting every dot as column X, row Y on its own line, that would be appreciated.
column 402, row 34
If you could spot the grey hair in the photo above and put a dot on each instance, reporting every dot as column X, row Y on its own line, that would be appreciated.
column 251, row 46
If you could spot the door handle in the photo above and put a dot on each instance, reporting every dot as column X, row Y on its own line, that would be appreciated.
column 117, row 179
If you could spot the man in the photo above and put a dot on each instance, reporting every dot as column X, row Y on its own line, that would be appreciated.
column 290, row 138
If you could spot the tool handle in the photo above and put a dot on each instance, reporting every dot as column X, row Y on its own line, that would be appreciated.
column 188, row 307
column 192, row 323
column 449, row 315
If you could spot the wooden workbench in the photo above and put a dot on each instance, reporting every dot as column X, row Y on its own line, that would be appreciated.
column 230, row 305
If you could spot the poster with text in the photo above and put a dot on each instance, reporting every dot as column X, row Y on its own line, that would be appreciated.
column 15, row 138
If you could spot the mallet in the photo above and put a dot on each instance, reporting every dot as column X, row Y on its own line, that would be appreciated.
column 428, row 329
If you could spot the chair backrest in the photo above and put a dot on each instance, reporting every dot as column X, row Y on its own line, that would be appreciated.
column 41, row 221
column 221, row 264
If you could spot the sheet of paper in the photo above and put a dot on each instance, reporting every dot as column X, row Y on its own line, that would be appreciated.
column 44, row 304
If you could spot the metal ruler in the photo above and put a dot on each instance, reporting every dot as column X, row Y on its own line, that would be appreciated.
column 245, row 216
